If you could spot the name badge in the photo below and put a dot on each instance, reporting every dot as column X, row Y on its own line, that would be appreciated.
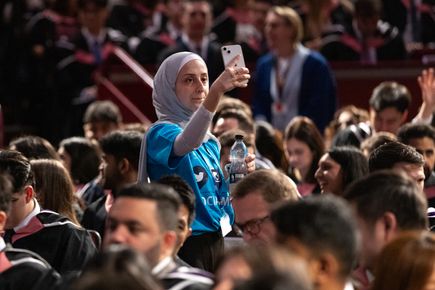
column 225, row 225
column 279, row 108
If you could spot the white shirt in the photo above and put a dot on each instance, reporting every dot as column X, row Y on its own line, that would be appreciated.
column 2, row 244
column 158, row 269
column 34, row 212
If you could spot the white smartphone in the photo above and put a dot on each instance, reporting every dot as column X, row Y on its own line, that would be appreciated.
column 229, row 52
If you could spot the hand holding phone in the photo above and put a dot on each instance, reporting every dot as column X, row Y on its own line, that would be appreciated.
column 229, row 52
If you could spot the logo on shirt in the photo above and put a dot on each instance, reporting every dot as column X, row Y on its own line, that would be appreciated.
column 216, row 176
column 200, row 176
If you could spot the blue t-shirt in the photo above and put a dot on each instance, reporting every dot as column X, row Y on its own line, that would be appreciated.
column 200, row 168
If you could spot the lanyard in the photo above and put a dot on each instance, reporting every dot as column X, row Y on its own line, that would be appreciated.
column 281, row 78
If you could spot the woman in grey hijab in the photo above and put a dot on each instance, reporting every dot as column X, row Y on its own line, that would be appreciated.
column 180, row 143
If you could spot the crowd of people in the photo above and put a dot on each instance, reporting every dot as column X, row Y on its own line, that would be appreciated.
column 50, row 49
column 333, row 199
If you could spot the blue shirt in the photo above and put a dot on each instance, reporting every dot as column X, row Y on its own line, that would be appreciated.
column 200, row 168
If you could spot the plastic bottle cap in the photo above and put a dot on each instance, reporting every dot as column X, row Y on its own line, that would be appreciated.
column 239, row 137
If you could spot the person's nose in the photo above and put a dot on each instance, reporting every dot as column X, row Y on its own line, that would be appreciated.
column 293, row 159
column 118, row 235
column 199, row 86
column 318, row 173
column 248, row 236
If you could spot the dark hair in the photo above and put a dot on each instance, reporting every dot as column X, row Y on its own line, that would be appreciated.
column 304, row 130
column 353, row 135
column 34, row 147
column 358, row 115
column 184, row 190
column 18, row 167
column 368, row 8
column 123, row 144
column 272, row 184
column 322, row 224
column 268, row 142
column 5, row 192
column 276, row 281
column 118, row 267
column 376, row 140
column 390, row 94
column 102, row 111
column 85, row 158
column 61, row 6
column 167, row 200
column 353, row 163
column 82, row 4
column 387, row 155
column 389, row 191
column 415, row 131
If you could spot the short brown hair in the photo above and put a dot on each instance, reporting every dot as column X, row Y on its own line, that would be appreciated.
column 271, row 183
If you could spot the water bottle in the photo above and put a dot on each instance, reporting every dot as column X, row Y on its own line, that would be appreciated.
column 238, row 168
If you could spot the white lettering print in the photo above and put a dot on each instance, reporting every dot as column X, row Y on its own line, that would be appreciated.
column 214, row 201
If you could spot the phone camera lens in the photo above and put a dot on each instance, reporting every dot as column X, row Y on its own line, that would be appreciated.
column 229, row 51
column 225, row 48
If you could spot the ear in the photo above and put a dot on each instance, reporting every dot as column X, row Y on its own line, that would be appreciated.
column 189, row 233
column 169, row 241
column 404, row 117
column 389, row 225
column 3, row 218
column 29, row 192
column 327, row 269
column 123, row 166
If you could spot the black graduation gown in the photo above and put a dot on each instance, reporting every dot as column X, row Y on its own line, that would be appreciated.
column 76, row 73
column 66, row 247
column 95, row 216
column 22, row 269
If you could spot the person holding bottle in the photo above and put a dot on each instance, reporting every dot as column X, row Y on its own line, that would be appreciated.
column 180, row 143
column 237, row 168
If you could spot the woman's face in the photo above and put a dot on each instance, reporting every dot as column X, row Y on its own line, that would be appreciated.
column 65, row 158
column 191, row 86
column 277, row 31
column 329, row 175
column 299, row 155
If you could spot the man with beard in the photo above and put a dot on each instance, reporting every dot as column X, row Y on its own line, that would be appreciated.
column 145, row 217
column 118, row 168
column 422, row 138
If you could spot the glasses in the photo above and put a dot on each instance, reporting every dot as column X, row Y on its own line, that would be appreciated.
column 252, row 226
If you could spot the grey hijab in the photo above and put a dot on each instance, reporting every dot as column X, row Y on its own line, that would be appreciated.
column 166, row 103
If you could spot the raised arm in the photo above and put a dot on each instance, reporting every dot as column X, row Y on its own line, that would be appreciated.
column 195, row 131
column 427, row 86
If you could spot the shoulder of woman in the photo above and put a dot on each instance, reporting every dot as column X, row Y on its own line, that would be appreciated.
column 163, row 129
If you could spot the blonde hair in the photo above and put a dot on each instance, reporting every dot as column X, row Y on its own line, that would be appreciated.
column 291, row 18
